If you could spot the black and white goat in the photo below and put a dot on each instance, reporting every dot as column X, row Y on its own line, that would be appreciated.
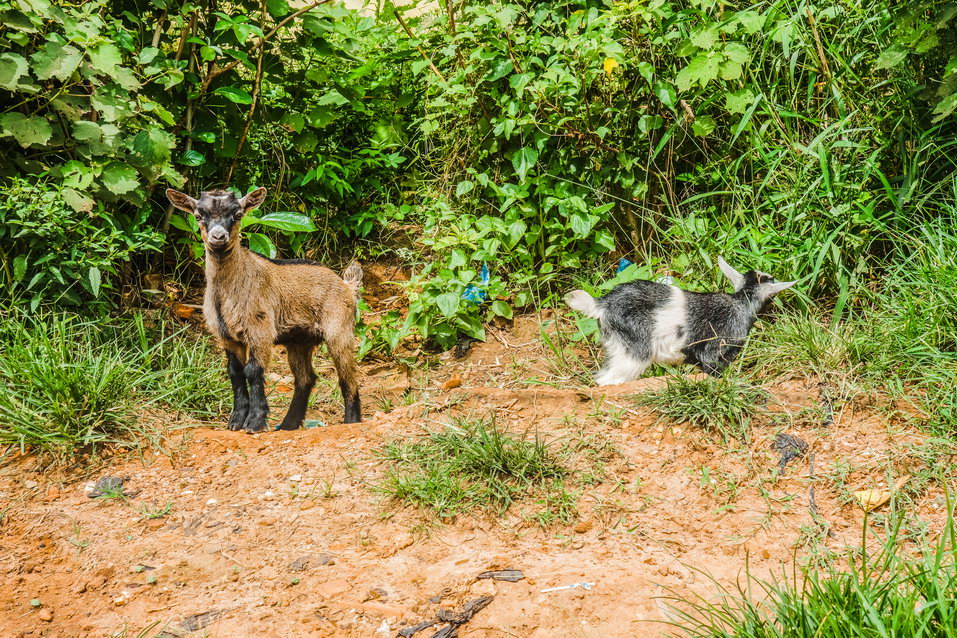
column 645, row 322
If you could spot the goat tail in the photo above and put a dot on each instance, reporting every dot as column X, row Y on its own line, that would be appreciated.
column 584, row 303
column 352, row 276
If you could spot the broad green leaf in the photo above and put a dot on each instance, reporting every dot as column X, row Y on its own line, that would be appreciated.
column 293, row 121
column 464, row 188
column 56, row 60
column 702, row 69
column 752, row 21
column 78, row 201
column 12, row 68
column 737, row 52
column 666, row 93
column 604, row 239
column 739, row 101
column 94, row 276
column 285, row 220
column 650, row 123
column 19, row 268
column 647, row 71
column 703, row 125
column 234, row 94
column 206, row 136
column 705, row 38
column 119, row 178
column 147, row 55
column 277, row 8
column 28, row 131
column 458, row 259
column 192, row 158
column 515, row 232
column 332, row 97
column 85, row 131
column 501, row 309
column 259, row 243
column 523, row 160
column 945, row 107
column 152, row 147
column 77, row 175
column 448, row 303
column 581, row 224
column 891, row 57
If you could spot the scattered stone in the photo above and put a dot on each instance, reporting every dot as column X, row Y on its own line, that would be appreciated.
column 452, row 382
column 376, row 593
column 332, row 588
column 30, row 485
column 511, row 575
column 306, row 562
column 45, row 615
column 409, row 631
column 295, row 478
column 583, row 526
column 108, row 485
column 211, row 501
column 199, row 621
column 789, row 447
column 53, row 493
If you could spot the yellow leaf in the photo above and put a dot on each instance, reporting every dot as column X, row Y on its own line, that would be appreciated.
column 872, row 499
column 609, row 65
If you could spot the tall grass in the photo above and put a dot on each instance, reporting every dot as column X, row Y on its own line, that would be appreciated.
column 889, row 593
column 69, row 383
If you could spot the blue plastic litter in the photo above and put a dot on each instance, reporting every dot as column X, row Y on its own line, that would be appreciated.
column 475, row 294
column 624, row 263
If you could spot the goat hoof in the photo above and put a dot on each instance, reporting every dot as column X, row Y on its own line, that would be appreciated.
column 255, row 425
column 236, row 424
column 289, row 426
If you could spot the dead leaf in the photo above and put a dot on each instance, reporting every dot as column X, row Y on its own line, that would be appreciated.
column 453, row 382
column 183, row 311
column 872, row 499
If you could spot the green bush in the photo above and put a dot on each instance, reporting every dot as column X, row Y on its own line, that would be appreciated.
column 52, row 252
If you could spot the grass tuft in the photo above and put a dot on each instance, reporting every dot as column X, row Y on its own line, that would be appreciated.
column 889, row 593
column 721, row 405
column 472, row 465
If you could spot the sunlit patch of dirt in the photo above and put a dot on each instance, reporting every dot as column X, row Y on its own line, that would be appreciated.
column 279, row 534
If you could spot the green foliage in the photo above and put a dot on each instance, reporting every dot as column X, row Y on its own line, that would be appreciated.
column 469, row 465
column 69, row 384
column 50, row 251
column 884, row 593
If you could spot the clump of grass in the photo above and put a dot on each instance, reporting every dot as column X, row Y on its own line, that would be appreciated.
column 889, row 594
column 471, row 465
column 723, row 405
column 60, row 389
column 67, row 383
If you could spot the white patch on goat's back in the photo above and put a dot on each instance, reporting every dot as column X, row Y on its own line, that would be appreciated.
column 666, row 344
column 619, row 365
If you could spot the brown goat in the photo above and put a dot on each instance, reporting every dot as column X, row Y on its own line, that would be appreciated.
column 253, row 303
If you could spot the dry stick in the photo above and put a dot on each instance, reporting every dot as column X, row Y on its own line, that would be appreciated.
column 158, row 31
column 820, row 47
column 425, row 56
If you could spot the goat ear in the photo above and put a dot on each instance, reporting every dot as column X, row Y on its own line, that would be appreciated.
column 778, row 286
column 737, row 279
column 253, row 200
column 181, row 201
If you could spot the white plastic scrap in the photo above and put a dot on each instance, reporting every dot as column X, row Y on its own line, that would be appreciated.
column 583, row 585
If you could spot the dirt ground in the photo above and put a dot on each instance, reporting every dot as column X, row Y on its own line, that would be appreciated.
column 282, row 534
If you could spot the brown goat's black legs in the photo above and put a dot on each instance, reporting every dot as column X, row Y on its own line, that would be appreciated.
column 258, row 408
column 344, row 358
column 240, row 393
column 300, row 362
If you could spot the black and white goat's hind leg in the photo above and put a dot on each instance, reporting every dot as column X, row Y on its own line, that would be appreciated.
column 300, row 362
column 620, row 364
column 240, row 391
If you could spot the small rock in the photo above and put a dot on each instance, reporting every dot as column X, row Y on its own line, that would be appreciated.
column 452, row 382
column 107, row 485
column 295, row 478
column 211, row 501
column 45, row 615
column 583, row 526
column 332, row 588
column 30, row 485
column 53, row 493
column 484, row 587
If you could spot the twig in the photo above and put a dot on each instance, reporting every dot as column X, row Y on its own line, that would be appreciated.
column 820, row 47
column 422, row 52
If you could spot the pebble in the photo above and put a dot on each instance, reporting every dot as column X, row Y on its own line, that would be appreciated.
column 295, row 478
column 30, row 485
column 45, row 615
column 211, row 501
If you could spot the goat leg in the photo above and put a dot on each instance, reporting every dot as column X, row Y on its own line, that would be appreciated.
column 300, row 362
column 258, row 407
column 240, row 392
